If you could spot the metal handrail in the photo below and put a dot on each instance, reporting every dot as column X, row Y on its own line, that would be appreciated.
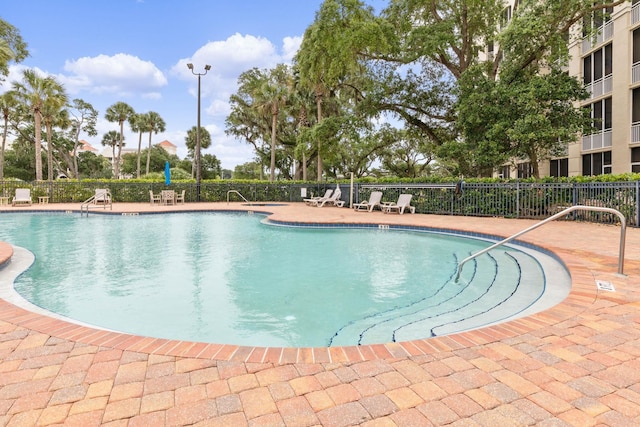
column 564, row 212
column 108, row 201
column 238, row 193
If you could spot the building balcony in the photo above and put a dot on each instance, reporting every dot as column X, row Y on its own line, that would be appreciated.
column 635, row 72
column 601, row 86
column 598, row 140
column 635, row 132
column 605, row 32
column 635, row 14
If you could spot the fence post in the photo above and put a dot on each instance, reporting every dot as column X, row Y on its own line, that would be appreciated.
column 517, row 199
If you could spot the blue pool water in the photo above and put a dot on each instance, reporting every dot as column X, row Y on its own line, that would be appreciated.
column 229, row 278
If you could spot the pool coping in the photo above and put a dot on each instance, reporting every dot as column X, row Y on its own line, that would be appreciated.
column 581, row 296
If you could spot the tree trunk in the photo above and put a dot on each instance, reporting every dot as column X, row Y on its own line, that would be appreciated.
column 319, row 142
column 274, row 122
column 49, row 153
column 149, row 153
column 304, row 166
column 117, row 163
column 533, row 158
column 139, row 149
column 113, row 158
column 4, row 141
column 38, row 124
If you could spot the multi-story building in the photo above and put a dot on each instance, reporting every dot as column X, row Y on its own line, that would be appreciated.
column 609, row 66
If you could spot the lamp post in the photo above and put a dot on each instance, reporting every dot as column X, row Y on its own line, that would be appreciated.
column 197, row 153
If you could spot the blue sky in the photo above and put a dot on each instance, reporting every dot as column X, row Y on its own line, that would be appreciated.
column 136, row 51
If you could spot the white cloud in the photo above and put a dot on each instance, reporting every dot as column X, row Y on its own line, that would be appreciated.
column 218, row 108
column 290, row 46
column 118, row 74
column 227, row 57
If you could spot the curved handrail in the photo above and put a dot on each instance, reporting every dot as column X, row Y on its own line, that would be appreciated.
column 623, row 223
column 238, row 193
column 105, row 197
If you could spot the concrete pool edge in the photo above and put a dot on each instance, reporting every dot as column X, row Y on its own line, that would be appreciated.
column 582, row 295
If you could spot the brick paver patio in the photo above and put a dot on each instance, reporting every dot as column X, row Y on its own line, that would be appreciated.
column 576, row 364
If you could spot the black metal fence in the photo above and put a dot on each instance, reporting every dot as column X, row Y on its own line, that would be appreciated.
column 511, row 200
column 518, row 199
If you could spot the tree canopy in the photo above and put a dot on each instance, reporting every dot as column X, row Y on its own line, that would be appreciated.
column 466, row 85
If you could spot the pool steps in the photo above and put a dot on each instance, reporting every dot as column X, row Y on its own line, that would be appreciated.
column 481, row 298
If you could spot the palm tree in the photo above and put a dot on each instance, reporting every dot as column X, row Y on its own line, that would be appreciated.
column 191, row 141
column 34, row 91
column 154, row 124
column 7, row 105
column 112, row 139
column 138, row 124
column 119, row 113
column 272, row 96
column 54, row 114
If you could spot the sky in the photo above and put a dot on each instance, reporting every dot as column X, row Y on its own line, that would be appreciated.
column 136, row 51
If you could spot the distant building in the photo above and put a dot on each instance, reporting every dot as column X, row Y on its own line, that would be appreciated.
column 169, row 147
column 108, row 152
column 86, row 147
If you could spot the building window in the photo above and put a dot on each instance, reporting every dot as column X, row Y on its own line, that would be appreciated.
column 596, row 163
column 559, row 167
column 525, row 170
column 601, row 113
column 505, row 17
column 636, row 45
column 505, row 172
column 635, row 160
column 598, row 64
column 635, row 106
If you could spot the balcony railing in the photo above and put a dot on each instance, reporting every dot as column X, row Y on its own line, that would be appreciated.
column 635, row 72
column 597, row 140
column 635, row 14
column 601, row 86
column 635, row 132
column 605, row 32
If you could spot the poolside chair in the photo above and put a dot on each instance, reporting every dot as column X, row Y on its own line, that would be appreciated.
column 314, row 200
column 400, row 206
column 102, row 197
column 369, row 205
column 154, row 198
column 168, row 197
column 180, row 197
column 334, row 200
column 22, row 197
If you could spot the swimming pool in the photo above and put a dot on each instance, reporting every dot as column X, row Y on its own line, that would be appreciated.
column 229, row 278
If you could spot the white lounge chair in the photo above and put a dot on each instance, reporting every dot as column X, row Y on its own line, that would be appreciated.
column 400, row 206
column 333, row 200
column 22, row 197
column 102, row 197
column 368, row 205
column 312, row 201
column 154, row 198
